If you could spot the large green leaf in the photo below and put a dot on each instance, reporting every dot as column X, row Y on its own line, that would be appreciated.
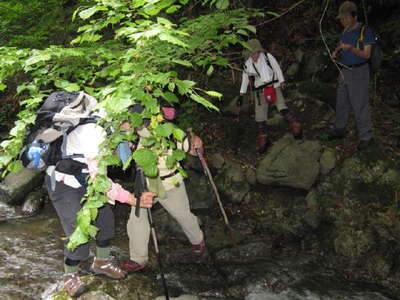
column 145, row 157
column 37, row 58
column 164, row 130
column 222, row 4
column 170, row 97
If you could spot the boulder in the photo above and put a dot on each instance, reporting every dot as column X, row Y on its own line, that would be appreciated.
column 291, row 163
column 17, row 185
column 327, row 161
column 233, row 108
column 6, row 211
column 231, row 182
column 199, row 190
column 33, row 203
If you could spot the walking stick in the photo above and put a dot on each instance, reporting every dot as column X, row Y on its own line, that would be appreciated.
column 140, row 187
column 210, row 178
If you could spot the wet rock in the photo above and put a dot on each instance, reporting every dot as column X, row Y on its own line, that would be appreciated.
column 244, row 254
column 217, row 161
column 17, row 185
column 233, row 108
column 313, row 214
column 313, row 63
column 134, row 287
column 379, row 265
column 184, row 297
column 327, row 161
column 299, row 54
column 189, row 279
column 251, row 176
column 33, row 203
column 231, row 182
column 199, row 191
column 277, row 121
column 291, row 163
column 360, row 179
column 322, row 91
column 353, row 243
column 293, row 69
column 96, row 295
column 6, row 211
column 186, row 256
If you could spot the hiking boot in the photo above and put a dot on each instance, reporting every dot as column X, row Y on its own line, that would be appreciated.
column 296, row 130
column 363, row 144
column 335, row 134
column 107, row 268
column 132, row 266
column 73, row 285
column 199, row 249
column 262, row 143
column 294, row 126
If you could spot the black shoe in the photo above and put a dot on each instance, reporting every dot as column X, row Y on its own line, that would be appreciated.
column 335, row 134
column 364, row 144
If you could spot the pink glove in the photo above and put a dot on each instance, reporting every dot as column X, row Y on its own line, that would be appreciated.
column 93, row 167
column 118, row 193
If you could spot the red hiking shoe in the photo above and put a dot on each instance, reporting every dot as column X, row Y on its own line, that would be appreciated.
column 131, row 266
column 199, row 249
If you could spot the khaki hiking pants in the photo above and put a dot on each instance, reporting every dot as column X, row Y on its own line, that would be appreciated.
column 177, row 205
column 261, row 107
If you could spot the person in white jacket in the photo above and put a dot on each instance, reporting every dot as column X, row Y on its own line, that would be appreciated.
column 263, row 72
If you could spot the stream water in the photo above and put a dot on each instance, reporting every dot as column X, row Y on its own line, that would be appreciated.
column 31, row 268
column 30, row 254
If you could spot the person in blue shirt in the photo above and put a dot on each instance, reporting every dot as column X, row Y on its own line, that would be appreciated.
column 352, row 56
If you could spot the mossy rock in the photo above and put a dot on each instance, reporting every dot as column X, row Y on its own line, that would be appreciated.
column 319, row 90
column 135, row 287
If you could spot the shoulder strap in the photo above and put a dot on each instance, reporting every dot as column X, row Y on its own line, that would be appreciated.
column 362, row 33
column 361, row 38
column 269, row 65
column 268, row 62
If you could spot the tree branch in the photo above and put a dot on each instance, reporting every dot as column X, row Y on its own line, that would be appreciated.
column 282, row 14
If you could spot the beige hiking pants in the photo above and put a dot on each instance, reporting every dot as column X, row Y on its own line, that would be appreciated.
column 261, row 107
column 177, row 205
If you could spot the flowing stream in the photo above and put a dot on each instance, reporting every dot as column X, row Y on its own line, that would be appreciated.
column 31, row 268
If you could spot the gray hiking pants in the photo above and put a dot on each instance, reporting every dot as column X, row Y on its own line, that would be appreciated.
column 66, row 201
column 352, row 94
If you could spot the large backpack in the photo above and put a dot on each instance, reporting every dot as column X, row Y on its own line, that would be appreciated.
column 375, row 59
column 59, row 115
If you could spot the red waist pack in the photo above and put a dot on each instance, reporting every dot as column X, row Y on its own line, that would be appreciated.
column 270, row 94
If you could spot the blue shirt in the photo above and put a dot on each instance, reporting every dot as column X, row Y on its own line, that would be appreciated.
column 351, row 37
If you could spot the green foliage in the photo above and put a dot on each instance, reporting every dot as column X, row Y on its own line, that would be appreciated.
column 35, row 24
column 128, row 52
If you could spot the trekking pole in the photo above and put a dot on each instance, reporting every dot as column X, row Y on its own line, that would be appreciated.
column 140, row 185
column 210, row 178
column 253, row 94
column 239, row 103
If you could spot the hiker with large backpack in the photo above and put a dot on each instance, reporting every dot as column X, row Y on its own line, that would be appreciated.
column 353, row 55
column 65, row 141
column 171, row 194
column 263, row 73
